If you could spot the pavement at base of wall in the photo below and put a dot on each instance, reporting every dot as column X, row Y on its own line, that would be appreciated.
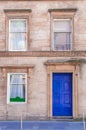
column 41, row 125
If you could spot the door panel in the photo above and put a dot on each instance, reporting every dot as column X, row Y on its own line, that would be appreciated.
column 62, row 94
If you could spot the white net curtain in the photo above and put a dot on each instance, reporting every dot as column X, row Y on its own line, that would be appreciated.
column 17, row 85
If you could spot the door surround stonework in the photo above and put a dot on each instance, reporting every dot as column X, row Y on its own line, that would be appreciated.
column 71, row 67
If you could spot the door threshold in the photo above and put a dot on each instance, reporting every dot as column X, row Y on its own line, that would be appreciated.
column 62, row 118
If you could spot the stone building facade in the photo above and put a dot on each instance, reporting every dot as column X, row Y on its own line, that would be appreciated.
column 42, row 59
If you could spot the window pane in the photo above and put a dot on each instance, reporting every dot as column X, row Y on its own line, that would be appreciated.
column 17, row 41
column 62, row 41
column 18, row 25
column 17, row 91
column 17, row 88
column 62, row 26
column 17, row 79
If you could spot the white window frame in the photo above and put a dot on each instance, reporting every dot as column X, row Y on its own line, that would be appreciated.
column 8, row 88
column 61, row 19
column 14, row 19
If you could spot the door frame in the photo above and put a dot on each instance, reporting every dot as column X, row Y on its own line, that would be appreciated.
column 63, row 68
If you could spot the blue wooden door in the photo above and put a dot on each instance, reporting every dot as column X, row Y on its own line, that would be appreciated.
column 62, row 94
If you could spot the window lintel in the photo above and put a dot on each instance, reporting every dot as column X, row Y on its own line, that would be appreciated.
column 17, row 10
column 63, row 10
column 62, row 13
column 17, row 66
